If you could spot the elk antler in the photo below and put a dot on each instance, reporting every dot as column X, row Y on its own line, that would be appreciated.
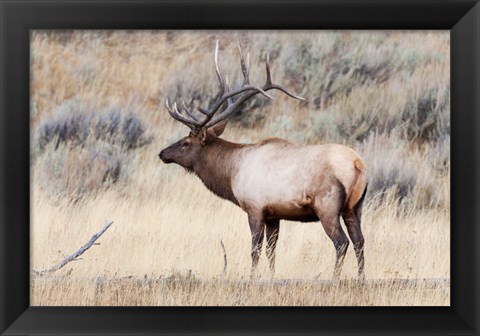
column 233, row 98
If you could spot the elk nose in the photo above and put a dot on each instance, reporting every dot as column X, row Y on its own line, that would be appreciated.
column 162, row 157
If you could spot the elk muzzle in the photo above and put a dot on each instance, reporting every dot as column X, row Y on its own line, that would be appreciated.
column 163, row 155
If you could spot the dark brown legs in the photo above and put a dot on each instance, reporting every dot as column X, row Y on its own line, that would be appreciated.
column 352, row 222
column 340, row 241
column 272, row 230
column 257, row 227
column 328, row 211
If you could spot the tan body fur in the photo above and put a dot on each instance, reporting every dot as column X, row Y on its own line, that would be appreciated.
column 285, row 180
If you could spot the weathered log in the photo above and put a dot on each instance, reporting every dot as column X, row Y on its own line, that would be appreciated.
column 77, row 253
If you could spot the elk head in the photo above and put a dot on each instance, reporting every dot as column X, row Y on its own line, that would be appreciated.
column 186, row 151
column 206, row 125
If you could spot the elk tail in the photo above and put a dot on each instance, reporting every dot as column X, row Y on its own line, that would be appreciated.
column 359, row 188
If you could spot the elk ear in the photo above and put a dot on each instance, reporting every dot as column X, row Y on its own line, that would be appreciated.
column 218, row 128
column 202, row 135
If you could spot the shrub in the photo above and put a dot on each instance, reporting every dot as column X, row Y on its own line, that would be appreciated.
column 74, row 171
column 81, row 152
column 250, row 114
column 413, row 113
column 74, row 124
column 355, row 78
column 388, row 166
column 426, row 115
column 438, row 153
column 283, row 126
column 69, row 124
column 324, row 126
column 330, row 65
column 392, row 164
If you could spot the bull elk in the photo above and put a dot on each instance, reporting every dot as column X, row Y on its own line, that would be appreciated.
column 273, row 179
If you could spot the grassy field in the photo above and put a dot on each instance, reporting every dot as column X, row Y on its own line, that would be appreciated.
column 98, row 122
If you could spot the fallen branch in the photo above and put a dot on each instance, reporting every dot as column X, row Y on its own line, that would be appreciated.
column 224, row 258
column 76, row 254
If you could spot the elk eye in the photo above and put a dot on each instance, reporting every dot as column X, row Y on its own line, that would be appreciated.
column 185, row 144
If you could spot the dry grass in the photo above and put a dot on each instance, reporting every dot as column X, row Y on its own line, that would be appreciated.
column 157, row 235
column 164, row 246
column 180, row 291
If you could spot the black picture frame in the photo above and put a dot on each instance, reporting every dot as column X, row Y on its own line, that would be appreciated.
column 18, row 17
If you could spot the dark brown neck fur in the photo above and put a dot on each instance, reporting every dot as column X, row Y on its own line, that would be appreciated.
column 216, row 167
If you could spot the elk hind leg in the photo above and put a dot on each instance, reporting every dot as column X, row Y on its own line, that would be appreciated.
column 352, row 218
column 340, row 241
column 331, row 225
column 352, row 222
column 328, row 209
column 272, row 231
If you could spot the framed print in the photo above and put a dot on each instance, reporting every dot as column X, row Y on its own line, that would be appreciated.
column 151, row 156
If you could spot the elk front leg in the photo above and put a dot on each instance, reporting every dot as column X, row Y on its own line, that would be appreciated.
column 272, row 229
column 257, row 227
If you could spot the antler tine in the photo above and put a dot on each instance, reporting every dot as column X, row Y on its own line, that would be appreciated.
column 222, row 88
column 229, row 99
column 267, row 66
column 269, row 84
column 202, row 110
column 232, row 106
column 217, row 70
column 190, row 114
column 247, row 88
column 281, row 88
column 245, row 70
column 173, row 111
column 210, row 113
